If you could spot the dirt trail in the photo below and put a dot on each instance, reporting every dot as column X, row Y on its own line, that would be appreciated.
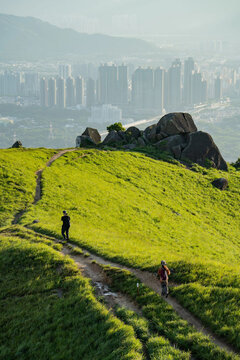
column 37, row 196
column 93, row 271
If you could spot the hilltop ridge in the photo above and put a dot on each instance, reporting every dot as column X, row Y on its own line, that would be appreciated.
column 32, row 38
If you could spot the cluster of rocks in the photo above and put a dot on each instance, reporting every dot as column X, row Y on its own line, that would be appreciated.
column 175, row 133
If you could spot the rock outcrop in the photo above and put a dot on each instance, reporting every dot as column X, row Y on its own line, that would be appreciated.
column 176, row 123
column 201, row 149
column 89, row 137
column 17, row 144
column 221, row 183
column 113, row 138
column 175, row 133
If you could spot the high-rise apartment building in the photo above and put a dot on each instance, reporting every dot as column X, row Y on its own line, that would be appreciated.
column 158, row 90
column 52, row 92
column 108, row 84
column 31, row 84
column 61, row 93
column 65, row 71
column 187, row 83
column 90, row 93
column 122, row 85
column 43, row 92
column 79, row 84
column 70, row 92
column 218, row 88
column 174, row 84
column 142, row 88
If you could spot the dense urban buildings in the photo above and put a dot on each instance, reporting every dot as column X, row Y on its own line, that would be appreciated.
column 130, row 88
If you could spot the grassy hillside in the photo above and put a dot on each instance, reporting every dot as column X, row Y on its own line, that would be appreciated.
column 137, row 210
column 18, row 179
column 48, row 311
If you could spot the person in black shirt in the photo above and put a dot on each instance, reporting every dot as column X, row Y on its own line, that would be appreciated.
column 66, row 225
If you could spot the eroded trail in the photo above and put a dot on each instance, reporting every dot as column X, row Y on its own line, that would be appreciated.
column 37, row 195
column 94, row 272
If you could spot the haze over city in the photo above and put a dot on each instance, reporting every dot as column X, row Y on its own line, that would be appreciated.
column 65, row 65
column 135, row 17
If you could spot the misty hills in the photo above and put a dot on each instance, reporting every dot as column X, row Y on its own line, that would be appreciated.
column 31, row 38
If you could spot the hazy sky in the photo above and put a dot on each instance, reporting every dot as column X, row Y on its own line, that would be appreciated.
column 129, row 17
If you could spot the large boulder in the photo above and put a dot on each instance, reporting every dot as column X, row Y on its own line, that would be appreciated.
column 201, row 149
column 113, row 138
column 175, row 123
column 84, row 141
column 92, row 134
column 221, row 183
column 173, row 144
column 17, row 145
column 133, row 132
column 149, row 133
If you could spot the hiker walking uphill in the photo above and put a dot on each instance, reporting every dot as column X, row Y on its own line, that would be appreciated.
column 66, row 225
column 163, row 273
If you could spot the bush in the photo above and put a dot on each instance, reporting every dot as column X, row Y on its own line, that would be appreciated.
column 237, row 164
column 117, row 127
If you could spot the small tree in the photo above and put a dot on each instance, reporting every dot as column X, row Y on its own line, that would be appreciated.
column 117, row 127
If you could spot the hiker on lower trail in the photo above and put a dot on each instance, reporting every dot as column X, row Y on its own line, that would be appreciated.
column 66, row 225
column 163, row 273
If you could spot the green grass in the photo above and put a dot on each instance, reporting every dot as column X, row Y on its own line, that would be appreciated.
column 137, row 210
column 163, row 319
column 18, row 180
column 216, row 306
column 38, row 324
column 156, row 347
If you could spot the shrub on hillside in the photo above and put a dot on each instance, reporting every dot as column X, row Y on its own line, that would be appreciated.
column 116, row 126
column 237, row 164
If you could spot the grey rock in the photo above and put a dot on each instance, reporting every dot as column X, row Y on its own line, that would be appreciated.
column 160, row 137
column 112, row 138
column 17, row 145
column 221, row 183
column 176, row 123
column 122, row 134
column 173, row 144
column 133, row 132
column 177, row 151
column 36, row 221
column 202, row 149
column 83, row 140
column 149, row 133
column 141, row 142
column 93, row 134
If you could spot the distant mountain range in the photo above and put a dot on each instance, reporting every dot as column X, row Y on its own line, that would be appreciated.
column 31, row 38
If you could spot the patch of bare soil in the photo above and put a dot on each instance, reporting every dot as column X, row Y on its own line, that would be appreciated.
column 100, row 282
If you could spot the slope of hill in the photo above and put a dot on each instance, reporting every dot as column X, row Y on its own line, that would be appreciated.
column 49, row 311
column 123, row 203
column 31, row 38
column 18, row 179
column 137, row 210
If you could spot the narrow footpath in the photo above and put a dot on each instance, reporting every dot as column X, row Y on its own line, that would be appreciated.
column 37, row 196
